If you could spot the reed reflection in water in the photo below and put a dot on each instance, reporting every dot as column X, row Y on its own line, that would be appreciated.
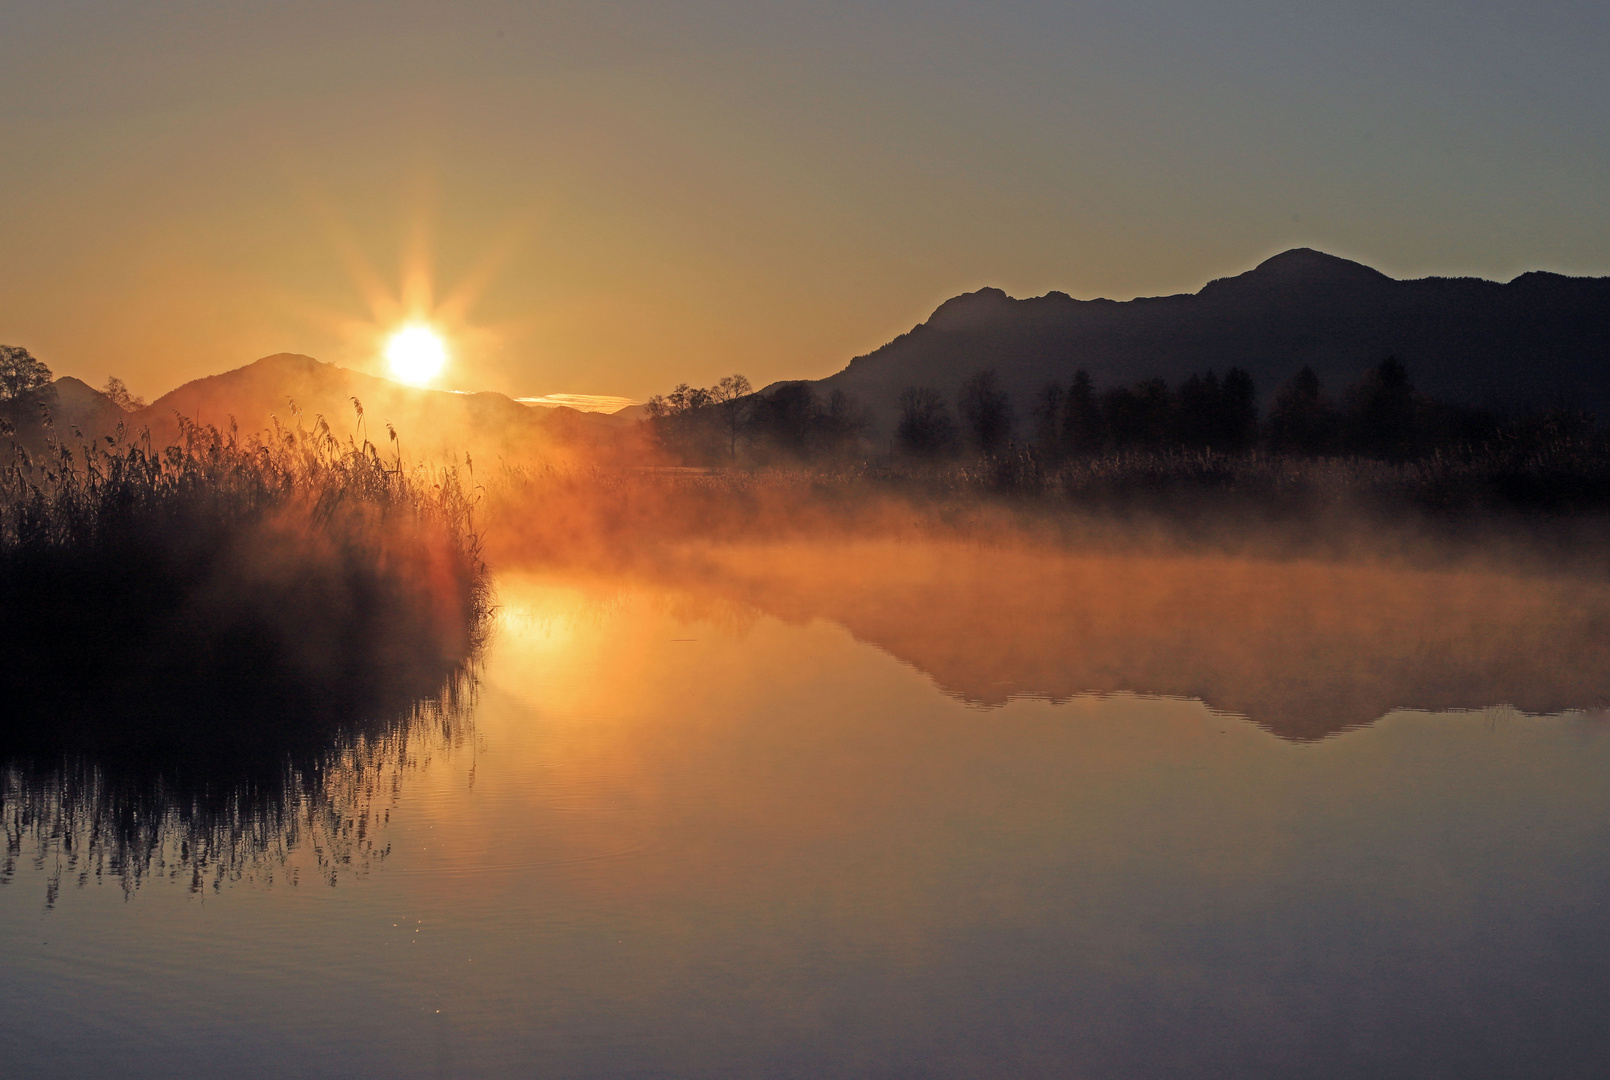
column 209, row 814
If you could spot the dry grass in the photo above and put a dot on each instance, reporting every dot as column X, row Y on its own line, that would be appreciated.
column 225, row 650
column 226, row 588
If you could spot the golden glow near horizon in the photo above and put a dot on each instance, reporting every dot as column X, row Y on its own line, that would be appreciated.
column 604, row 403
column 626, row 215
column 416, row 354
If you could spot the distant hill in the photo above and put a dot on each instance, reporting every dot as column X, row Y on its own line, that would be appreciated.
column 75, row 403
column 1541, row 337
column 64, row 409
column 432, row 424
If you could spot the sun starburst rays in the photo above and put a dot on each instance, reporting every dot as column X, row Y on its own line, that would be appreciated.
column 408, row 333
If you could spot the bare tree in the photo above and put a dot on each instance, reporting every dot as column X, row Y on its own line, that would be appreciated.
column 729, row 396
column 681, row 421
column 986, row 412
column 925, row 427
column 119, row 393
column 684, row 399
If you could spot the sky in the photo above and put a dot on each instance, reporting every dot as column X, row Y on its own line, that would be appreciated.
column 613, row 197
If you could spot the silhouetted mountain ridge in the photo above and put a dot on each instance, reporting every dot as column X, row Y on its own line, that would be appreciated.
column 1302, row 268
column 434, row 424
column 431, row 424
column 1541, row 337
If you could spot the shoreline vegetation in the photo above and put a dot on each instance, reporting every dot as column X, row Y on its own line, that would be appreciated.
column 226, row 651
column 1208, row 460
column 227, row 594
column 1381, row 470
column 1378, row 469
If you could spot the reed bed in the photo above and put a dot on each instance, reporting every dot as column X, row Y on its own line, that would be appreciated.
column 226, row 588
column 226, row 651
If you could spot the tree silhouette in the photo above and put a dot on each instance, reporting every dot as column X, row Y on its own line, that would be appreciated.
column 792, row 421
column 729, row 397
column 986, row 412
column 1083, row 431
column 119, row 393
column 786, row 419
column 843, row 421
column 683, row 399
column 1140, row 416
column 1382, row 410
column 20, row 373
column 1048, row 420
column 1303, row 420
column 925, row 427
column 1198, row 417
column 1238, row 412
column 681, row 422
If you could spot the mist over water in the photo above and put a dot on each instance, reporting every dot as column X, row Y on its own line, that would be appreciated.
column 876, row 807
column 1306, row 648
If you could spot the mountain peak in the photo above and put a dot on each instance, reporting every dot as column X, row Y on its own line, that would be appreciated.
column 289, row 361
column 1309, row 266
column 972, row 309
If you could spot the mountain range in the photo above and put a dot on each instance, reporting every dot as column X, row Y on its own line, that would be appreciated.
column 1541, row 338
column 434, row 425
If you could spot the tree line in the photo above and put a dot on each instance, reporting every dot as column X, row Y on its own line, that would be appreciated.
column 1381, row 415
column 788, row 424
column 1204, row 411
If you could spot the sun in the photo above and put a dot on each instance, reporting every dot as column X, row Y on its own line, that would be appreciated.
column 416, row 354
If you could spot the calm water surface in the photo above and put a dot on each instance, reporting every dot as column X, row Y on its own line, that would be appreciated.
column 681, row 836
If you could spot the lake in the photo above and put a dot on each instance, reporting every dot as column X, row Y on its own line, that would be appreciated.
column 887, row 810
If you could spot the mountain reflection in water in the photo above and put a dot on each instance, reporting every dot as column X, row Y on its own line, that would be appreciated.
column 1305, row 649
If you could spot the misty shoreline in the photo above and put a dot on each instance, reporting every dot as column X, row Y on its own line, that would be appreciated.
column 1246, row 506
